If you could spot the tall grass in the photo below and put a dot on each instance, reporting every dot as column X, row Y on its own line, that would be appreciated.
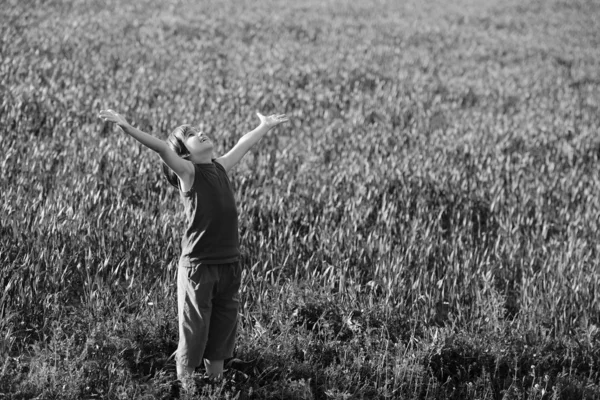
column 425, row 227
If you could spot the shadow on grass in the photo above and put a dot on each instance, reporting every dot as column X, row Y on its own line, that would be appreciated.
column 152, row 351
column 558, row 368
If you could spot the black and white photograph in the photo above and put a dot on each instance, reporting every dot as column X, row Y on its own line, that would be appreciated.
column 311, row 200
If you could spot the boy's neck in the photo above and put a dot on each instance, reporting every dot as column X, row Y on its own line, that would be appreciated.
column 201, row 159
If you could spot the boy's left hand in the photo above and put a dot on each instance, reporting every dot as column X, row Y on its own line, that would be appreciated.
column 272, row 120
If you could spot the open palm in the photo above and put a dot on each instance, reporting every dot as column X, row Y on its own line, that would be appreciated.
column 272, row 120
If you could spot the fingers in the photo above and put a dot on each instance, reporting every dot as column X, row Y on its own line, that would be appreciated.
column 108, row 115
column 275, row 116
column 103, row 114
column 281, row 118
column 273, row 119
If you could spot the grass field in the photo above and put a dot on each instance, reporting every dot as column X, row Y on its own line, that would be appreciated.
column 426, row 226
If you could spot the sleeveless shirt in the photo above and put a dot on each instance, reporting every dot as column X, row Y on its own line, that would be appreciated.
column 211, row 236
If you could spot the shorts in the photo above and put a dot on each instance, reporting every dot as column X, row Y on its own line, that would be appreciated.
column 208, row 305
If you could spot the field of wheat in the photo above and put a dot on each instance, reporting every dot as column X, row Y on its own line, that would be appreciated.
column 425, row 227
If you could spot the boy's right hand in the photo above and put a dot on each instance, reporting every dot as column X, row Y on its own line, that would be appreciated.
column 112, row 116
column 272, row 121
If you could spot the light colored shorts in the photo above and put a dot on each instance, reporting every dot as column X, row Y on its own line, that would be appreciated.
column 208, row 306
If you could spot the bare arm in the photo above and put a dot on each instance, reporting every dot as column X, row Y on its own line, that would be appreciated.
column 246, row 142
column 182, row 168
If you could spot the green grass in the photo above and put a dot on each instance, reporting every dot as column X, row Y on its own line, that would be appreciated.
column 426, row 227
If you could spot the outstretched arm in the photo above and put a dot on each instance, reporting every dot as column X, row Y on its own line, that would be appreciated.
column 182, row 168
column 246, row 142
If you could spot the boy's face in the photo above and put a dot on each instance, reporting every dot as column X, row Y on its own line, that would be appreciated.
column 198, row 143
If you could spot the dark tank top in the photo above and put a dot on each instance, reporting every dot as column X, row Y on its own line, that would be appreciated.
column 211, row 236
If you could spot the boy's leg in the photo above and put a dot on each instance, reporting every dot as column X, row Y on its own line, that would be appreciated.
column 224, row 318
column 214, row 368
column 183, row 371
column 194, row 290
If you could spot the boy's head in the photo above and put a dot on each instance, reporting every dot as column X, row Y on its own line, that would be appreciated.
column 189, row 143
